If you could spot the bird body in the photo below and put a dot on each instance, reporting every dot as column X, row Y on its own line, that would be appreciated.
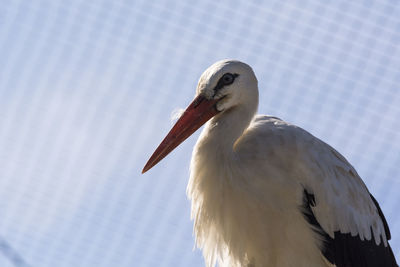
column 244, row 214
column 250, row 196
column 267, row 193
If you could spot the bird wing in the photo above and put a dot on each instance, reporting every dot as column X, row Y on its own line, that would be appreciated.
column 336, row 202
column 346, row 250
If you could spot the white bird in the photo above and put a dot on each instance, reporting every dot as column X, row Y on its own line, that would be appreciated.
column 267, row 193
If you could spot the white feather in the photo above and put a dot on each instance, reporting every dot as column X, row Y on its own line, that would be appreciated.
column 247, row 179
column 176, row 114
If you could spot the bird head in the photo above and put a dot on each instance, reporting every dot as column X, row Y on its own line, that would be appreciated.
column 225, row 85
column 230, row 82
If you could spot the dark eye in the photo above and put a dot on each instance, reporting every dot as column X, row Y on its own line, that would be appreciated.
column 228, row 78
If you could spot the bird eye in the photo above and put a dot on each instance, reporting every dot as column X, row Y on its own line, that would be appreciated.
column 228, row 78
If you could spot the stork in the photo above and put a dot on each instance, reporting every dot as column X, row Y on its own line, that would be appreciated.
column 267, row 193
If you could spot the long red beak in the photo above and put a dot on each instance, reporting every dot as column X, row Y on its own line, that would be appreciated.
column 195, row 115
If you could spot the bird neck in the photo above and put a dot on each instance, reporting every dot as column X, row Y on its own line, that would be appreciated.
column 223, row 130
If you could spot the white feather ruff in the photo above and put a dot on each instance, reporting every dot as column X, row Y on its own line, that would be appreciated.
column 245, row 205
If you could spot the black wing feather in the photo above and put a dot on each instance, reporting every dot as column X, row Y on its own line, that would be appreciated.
column 385, row 224
column 345, row 250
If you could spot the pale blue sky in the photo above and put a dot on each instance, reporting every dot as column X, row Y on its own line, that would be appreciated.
column 87, row 89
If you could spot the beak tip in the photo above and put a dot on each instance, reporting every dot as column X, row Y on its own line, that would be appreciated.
column 145, row 169
column 195, row 115
column 150, row 164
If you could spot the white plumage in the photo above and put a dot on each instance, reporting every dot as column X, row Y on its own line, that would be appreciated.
column 251, row 195
column 250, row 178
